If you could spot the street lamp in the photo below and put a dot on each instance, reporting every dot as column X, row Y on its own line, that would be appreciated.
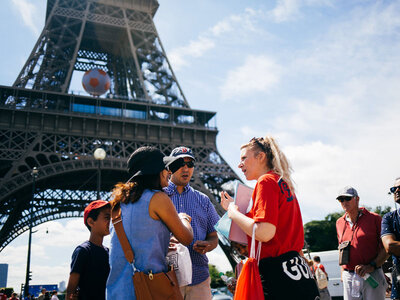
column 34, row 174
column 99, row 155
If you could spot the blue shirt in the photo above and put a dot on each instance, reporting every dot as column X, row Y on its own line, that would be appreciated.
column 391, row 225
column 204, row 217
column 149, row 240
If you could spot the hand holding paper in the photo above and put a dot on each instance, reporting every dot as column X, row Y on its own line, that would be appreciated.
column 225, row 200
column 242, row 203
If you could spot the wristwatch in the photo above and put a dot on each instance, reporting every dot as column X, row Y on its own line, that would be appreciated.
column 373, row 263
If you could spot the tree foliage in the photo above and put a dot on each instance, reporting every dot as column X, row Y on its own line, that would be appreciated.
column 321, row 235
column 216, row 280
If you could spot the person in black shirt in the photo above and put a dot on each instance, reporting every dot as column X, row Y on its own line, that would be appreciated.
column 90, row 266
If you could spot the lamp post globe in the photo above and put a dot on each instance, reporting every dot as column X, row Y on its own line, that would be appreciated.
column 99, row 155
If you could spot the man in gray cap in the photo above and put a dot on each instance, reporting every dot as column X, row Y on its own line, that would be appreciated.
column 361, row 253
column 197, row 205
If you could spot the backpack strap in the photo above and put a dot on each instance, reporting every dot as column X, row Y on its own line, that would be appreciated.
column 119, row 230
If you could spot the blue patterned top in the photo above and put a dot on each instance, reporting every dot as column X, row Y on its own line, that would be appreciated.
column 204, row 217
column 391, row 225
column 149, row 240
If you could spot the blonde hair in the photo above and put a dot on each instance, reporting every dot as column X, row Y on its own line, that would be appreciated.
column 276, row 159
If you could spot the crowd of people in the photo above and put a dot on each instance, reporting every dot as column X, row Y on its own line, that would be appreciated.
column 44, row 295
column 159, row 209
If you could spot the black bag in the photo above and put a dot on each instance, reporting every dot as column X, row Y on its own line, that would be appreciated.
column 344, row 252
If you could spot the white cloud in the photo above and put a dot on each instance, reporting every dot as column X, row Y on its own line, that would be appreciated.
column 196, row 48
column 208, row 40
column 288, row 10
column 28, row 13
column 285, row 9
column 52, row 246
column 257, row 74
column 359, row 150
column 222, row 27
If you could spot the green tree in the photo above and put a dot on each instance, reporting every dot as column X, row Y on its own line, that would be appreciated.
column 321, row 235
column 381, row 211
column 216, row 280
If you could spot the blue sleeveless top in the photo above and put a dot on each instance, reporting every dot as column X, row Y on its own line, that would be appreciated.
column 149, row 240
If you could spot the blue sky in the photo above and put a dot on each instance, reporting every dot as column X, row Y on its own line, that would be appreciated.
column 321, row 76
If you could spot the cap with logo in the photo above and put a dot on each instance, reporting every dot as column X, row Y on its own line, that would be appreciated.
column 347, row 191
column 182, row 152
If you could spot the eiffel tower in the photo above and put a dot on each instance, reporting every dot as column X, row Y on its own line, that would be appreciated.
column 43, row 124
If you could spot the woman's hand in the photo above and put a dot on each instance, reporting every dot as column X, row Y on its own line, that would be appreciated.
column 184, row 216
column 225, row 200
column 227, row 204
column 172, row 244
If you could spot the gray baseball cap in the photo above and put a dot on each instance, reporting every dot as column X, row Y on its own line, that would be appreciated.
column 347, row 191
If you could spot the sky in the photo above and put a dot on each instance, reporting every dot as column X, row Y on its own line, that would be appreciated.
column 320, row 76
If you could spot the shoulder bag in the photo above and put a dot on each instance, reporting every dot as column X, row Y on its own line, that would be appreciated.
column 158, row 286
column 322, row 279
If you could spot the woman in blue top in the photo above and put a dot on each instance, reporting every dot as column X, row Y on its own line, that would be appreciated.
column 148, row 218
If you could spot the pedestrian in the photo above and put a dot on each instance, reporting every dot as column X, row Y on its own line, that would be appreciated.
column 14, row 296
column 360, row 230
column 390, row 235
column 275, row 209
column 148, row 218
column 42, row 294
column 196, row 204
column 54, row 295
column 89, row 266
column 3, row 295
column 322, row 278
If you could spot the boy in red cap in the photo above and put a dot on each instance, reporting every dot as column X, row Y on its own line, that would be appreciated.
column 90, row 266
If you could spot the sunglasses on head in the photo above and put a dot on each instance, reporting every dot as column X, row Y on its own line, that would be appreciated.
column 394, row 188
column 342, row 199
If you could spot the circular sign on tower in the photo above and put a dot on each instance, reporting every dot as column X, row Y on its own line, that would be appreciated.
column 96, row 82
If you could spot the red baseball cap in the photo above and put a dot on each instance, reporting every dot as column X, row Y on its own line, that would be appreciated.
column 93, row 205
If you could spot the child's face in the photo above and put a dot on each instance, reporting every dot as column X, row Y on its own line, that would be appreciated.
column 102, row 225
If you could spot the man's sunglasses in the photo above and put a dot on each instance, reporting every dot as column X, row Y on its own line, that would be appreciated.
column 394, row 188
column 175, row 166
column 342, row 199
column 189, row 164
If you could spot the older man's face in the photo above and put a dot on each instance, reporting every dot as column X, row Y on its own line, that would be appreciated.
column 349, row 204
column 397, row 191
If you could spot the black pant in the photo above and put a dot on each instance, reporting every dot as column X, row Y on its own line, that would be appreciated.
column 287, row 277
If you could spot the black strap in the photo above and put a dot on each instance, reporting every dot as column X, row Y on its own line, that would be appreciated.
column 354, row 227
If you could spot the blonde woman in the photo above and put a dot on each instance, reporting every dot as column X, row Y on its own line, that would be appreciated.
column 275, row 209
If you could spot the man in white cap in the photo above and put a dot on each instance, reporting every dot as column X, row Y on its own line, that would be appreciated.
column 197, row 205
column 360, row 230
column 391, row 238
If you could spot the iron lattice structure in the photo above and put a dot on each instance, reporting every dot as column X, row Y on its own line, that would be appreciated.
column 44, row 125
